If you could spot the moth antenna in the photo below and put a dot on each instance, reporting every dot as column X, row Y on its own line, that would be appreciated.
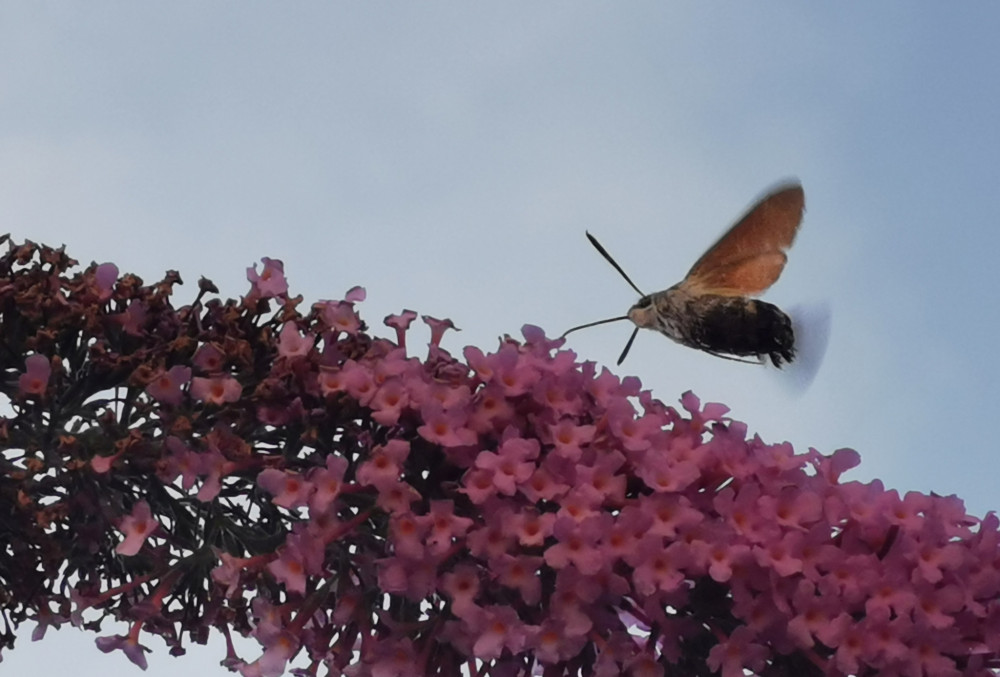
column 594, row 324
column 628, row 346
column 606, row 255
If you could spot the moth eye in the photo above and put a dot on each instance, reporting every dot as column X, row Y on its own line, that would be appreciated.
column 644, row 302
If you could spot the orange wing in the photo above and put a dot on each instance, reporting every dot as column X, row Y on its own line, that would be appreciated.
column 751, row 255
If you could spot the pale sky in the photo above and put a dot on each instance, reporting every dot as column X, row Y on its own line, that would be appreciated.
column 449, row 157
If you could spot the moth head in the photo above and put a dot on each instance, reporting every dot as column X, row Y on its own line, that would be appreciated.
column 643, row 313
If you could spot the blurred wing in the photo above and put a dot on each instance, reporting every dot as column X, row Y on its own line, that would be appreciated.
column 751, row 255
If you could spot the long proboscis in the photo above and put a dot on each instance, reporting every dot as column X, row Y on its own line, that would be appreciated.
column 607, row 256
column 594, row 324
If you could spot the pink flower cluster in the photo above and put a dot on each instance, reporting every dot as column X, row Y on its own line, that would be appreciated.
column 539, row 518
column 288, row 476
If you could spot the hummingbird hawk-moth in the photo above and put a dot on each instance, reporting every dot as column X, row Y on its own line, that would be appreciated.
column 712, row 308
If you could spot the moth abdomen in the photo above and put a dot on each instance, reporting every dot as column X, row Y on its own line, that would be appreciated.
column 740, row 326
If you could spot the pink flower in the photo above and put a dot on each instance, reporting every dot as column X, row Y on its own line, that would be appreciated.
column 166, row 387
column 543, row 486
column 521, row 574
column 133, row 319
column 228, row 572
column 301, row 556
column 385, row 465
column 401, row 323
column 389, row 401
column 498, row 628
column 514, row 375
column 936, row 607
column 289, row 570
column 106, row 275
column 491, row 410
column 445, row 427
column 396, row 496
column 634, row 434
column 442, row 526
column 216, row 389
column 408, row 534
column 290, row 490
column 669, row 513
column 128, row 644
column 783, row 556
column 35, row 379
column 818, row 618
column 394, row 658
column 291, row 343
column 552, row 643
column 438, row 328
column 270, row 283
column 658, row 567
column 510, row 465
column 576, row 544
column 137, row 527
column 358, row 381
column 340, row 316
column 570, row 438
column 461, row 585
column 629, row 527
column 327, row 481
column 736, row 653
column 413, row 578
column 209, row 358
column 480, row 363
column 355, row 294
column 792, row 508
column 278, row 651
column 713, row 551
column 664, row 473
column 532, row 527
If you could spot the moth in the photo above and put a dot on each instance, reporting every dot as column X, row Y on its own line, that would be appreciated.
column 712, row 309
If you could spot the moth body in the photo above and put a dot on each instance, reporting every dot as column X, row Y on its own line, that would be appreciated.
column 712, row 309
column 720, row 325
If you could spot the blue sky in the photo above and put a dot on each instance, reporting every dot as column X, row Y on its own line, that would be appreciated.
column 449, row 157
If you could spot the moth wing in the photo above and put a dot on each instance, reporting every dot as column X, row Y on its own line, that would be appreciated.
column 750, row 256
column 748, row 277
